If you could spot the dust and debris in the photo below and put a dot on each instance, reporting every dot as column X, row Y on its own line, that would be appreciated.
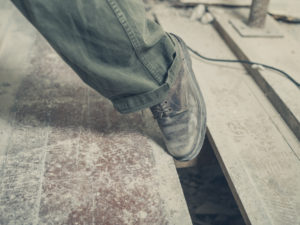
column 72, row 159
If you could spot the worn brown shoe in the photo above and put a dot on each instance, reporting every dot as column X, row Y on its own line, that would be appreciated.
column 182, row 116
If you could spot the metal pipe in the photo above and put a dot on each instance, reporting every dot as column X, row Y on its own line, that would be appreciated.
column 258, row 13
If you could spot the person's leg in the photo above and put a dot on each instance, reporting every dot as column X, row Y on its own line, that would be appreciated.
column 128, row 59
column 111, row 45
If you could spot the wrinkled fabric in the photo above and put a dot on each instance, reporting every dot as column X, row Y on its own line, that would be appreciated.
column 111, row 45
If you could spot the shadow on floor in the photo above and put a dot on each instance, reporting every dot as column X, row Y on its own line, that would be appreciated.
column 207, row 193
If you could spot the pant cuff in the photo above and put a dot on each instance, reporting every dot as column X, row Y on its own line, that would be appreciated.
column 146, row 100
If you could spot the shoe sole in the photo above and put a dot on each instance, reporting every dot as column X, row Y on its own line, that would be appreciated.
column 201, row 105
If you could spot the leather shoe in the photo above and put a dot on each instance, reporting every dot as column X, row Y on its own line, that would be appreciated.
column 182, row 115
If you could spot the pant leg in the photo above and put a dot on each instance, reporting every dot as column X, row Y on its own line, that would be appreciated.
column 111, row 45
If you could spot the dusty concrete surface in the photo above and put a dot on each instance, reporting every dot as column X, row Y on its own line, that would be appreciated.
column 66, row 156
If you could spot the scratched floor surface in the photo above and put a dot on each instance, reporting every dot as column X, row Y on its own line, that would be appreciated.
column 66, row 156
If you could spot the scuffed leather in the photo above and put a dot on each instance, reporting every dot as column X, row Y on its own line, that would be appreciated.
column 182, row 116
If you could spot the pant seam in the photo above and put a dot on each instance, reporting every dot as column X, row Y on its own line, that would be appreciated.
column 134, row 41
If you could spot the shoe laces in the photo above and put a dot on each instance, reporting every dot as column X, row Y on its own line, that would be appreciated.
column 161, row 110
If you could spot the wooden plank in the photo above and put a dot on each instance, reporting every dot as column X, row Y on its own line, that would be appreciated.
column 277, row 7
column 219, row 2
column 191, row 163
column 260, row 166
column 283, row 94
column 14, row 48
column 70, row 158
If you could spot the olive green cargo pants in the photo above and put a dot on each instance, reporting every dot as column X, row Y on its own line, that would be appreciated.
column 111, row 45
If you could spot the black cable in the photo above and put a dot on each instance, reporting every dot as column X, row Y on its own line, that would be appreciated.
column 246, row 62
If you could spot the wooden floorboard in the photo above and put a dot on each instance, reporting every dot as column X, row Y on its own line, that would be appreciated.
column 288, row 8
column 66, row 155
column 219, row 2
column 279, row 52
column 260, row 165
